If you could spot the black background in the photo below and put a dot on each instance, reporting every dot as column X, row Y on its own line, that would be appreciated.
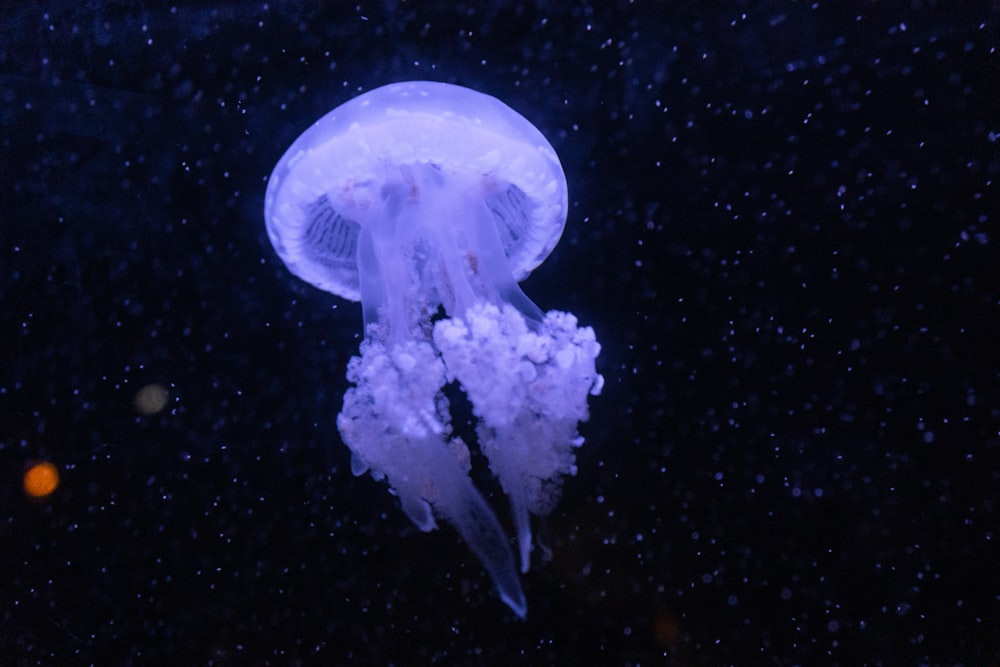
column 783, row 228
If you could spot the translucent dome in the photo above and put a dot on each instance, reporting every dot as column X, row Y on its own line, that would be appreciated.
column 324, row 186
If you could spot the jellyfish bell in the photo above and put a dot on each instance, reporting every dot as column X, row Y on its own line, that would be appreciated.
column 400, row 146
column 428, row 202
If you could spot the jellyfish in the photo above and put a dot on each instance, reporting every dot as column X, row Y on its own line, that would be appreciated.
column 429, row 202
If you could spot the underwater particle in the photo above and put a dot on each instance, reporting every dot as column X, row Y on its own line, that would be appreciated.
column 41, row 479
column 151, row 399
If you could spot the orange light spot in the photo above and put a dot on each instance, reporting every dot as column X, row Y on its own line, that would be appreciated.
column 666, row 629
column 41, row 479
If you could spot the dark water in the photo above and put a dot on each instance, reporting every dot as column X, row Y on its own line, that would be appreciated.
column 783, row 227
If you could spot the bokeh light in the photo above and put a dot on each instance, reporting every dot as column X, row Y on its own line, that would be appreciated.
column 41, row 479
column 151, row 399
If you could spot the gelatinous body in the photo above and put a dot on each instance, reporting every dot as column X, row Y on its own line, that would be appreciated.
column 428, row 202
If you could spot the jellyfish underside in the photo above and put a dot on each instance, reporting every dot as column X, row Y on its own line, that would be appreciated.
column 442, row 306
